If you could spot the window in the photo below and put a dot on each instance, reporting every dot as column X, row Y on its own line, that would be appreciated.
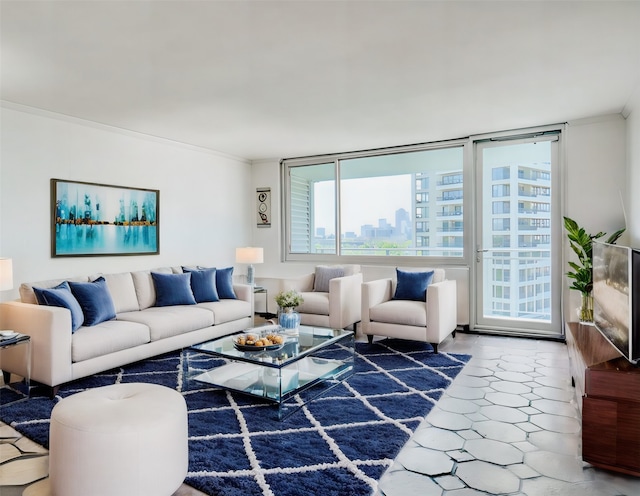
column 500, row 173
column 501, row 224
column 501, row 190
column 311, row 196
column 422, row 183
column 389, row 203
column 501, row 207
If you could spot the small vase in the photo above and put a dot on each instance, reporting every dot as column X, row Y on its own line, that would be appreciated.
column 586, row 309
column 289, row 319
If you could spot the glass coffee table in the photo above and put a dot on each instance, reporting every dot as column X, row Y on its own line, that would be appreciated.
column 316, row 356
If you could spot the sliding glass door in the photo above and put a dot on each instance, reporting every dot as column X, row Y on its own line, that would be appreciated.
column 518, row 235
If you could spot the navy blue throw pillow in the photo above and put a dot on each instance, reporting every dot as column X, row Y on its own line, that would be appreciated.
column 203, row 284
column 173, row 289
column 95, row 300
column 40, row 296
column 224, row 283
column 412, row 285
column 61, row 296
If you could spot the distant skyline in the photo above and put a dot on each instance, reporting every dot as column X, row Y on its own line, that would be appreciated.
column 385, row 195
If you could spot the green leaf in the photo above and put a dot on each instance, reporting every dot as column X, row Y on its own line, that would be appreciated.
column 582, row 245
column 615, row 236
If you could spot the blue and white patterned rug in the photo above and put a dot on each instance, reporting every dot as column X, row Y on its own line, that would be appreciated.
column 341, row 443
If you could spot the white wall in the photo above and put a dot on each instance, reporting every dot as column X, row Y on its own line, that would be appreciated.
column 205, row 212
column 595, row 175
column 633, row 174
column 595, row 184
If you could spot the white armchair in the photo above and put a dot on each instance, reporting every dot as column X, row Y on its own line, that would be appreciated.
column 430, row 321
column 332, row 296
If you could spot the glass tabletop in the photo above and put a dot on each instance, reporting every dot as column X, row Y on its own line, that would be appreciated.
column 308, row 340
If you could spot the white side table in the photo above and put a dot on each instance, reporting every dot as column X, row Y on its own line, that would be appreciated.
column 262, row 290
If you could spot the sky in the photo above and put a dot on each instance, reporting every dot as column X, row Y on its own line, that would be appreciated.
column 384, row 195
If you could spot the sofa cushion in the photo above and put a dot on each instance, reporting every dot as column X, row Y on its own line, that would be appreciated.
column 173, row 289
column 227, row 310
column 170, row 321
column 224, row 283
column 412, row 285
column 324, row 273
column 402, row 312
column 123, row 292
column 107, row 337
column 314, row 302
column 203, row 284
column 95, row 300
column 61, row 296
column 145, row 290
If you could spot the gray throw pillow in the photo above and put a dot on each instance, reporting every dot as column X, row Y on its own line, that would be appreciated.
column 323, row 275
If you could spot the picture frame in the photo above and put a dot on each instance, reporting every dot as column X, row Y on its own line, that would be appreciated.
column 263, row 207
column 93, row 219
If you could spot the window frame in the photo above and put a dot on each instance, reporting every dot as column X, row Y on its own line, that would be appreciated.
column 285, row 180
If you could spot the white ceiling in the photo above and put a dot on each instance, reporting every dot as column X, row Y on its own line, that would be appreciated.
column 269, row 79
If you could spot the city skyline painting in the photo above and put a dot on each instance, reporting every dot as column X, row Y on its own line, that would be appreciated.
column 90, row 219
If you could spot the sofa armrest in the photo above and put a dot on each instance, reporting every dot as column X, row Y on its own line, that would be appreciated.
column 345, row 295
column 442, row 316
column 373, row 293
column 243, row 292
column 50, row 331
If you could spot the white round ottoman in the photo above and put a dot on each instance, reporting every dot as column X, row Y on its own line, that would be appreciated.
column 119, row 440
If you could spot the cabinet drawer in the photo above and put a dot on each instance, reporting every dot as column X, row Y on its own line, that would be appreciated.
column 599, row 431
column 611, row 383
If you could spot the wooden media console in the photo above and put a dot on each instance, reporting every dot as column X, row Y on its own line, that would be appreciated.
column 608, row 393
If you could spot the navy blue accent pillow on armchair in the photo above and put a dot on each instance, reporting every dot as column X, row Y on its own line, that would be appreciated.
column 412, row 285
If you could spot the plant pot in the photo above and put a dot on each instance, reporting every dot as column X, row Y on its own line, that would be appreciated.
column 289, row 319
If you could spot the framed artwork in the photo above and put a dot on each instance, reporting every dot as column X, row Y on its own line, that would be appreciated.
column 90, row 219
column 263, row 210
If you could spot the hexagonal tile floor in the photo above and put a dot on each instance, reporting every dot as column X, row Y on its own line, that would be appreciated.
column 509, row 425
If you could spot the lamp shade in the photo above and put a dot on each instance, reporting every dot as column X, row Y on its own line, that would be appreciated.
column 249, row 255
column 6, row 274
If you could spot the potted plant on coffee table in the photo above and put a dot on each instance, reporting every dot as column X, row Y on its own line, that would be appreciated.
column 288, row 301
column 582, row 274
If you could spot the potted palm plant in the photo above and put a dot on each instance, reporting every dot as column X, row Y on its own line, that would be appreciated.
column 582, row 274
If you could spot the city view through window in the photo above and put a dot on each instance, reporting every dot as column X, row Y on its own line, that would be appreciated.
column 407, row 204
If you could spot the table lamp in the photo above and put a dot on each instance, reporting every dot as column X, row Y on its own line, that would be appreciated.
column 6, row 274
column 249, row 255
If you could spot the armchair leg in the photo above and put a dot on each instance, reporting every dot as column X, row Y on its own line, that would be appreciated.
column 435, row 348
column 453, row 334
column 370, row 338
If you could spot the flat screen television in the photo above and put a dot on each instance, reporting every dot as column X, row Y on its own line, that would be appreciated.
column 616, row 296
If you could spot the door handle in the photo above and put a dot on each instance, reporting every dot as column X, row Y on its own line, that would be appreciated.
column 478, row 251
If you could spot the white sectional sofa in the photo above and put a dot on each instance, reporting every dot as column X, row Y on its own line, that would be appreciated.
column 139, row 330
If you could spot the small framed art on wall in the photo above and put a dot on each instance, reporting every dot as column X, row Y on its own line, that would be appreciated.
column 263, row 207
